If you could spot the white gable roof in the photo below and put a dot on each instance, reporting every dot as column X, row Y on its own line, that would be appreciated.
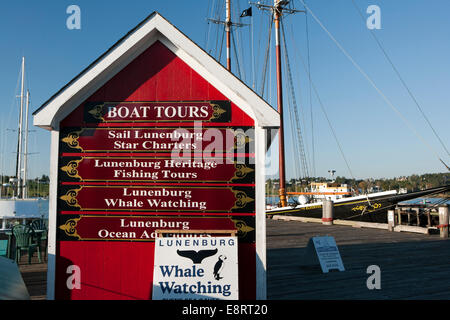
column 153, row 28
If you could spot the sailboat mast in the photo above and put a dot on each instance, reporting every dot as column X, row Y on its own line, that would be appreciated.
column 19, row 142
column 228, row 31
column 282, row 170
column 25, row 155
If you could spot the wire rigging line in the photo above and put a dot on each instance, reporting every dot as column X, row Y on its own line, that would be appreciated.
column 218, row 12
column 210, row 7
column 401, row 79
column 7, row 120
column 313, row 161
column 302, row 107
column 369, row 79
column 292, row 131
column 221, row 45
column 297, row 126
column 263, row 82
column 236, row 54
column 259, row 46
column 322, row 107
column 239, row 40
column 294, row 145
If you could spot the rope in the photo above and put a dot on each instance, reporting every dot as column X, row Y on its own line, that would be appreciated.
column 313, row 161
column 369, row 79
column 324, row 112
column 402, row 81
column 236, row 55
column 263, row 82
column 294, row 107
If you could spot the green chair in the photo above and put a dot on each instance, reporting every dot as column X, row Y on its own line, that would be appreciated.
column 40, row 225
column 3, row 248
column 24, row 241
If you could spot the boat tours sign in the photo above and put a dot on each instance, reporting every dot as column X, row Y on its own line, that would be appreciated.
column 167, row 142
column 204, row 268
column 162, row 111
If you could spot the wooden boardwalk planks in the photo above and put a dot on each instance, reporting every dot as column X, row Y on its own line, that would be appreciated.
column 413, row 266
column 35, row 277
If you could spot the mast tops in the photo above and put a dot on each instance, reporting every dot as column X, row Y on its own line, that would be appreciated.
column 153, row 28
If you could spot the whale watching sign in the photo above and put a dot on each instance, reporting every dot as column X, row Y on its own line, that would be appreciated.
column 202, row 268
column 155, row 135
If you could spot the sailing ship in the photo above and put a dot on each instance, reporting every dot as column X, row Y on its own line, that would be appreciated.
column 21, row 208
column 347, row 204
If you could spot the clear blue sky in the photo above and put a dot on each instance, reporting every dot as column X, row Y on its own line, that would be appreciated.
column 376, row 142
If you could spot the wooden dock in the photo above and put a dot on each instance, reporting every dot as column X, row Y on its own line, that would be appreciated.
column 413, row 266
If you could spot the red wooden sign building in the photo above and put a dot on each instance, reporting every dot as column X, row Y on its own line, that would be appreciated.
column 153, row 135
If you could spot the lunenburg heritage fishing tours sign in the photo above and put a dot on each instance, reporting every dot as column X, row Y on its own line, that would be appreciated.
column 156, row 137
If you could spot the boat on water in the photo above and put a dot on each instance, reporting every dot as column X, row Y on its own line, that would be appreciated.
column 14, row 211
column 370, row 207
column 347, row 204
column 20, row 208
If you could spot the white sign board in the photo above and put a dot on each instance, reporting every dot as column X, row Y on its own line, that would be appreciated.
column 324, row 250
column 200, row 268
column 391, row 216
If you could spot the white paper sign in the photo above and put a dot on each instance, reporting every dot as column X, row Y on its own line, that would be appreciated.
column 390, row 216
column 324, row 250
column 200, row 268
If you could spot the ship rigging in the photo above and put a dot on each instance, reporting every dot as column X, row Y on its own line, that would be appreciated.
column 294, row 113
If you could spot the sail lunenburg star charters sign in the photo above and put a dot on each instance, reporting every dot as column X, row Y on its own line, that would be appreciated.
column 154, row 135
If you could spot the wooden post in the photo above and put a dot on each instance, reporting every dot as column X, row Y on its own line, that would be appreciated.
column 281, row 157
column 327, row 212
column 417, row 210
column 443, row 221
column 391, row 220
column 228, row 31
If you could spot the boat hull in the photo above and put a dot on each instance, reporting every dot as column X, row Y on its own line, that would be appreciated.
column 368, row 209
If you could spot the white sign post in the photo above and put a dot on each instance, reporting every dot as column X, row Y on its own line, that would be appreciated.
column 200, row 268
column 323, row 250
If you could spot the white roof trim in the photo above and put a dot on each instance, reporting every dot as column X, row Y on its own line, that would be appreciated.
column 137, row 41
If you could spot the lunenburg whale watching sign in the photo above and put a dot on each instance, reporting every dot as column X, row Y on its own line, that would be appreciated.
column 196, row 268
column 155, row 135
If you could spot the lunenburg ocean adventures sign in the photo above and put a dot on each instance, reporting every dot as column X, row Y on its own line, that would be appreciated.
column 156, row 137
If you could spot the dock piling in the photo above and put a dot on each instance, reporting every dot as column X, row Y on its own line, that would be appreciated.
column 327, row 212
column 443, row 221
column 391, row 220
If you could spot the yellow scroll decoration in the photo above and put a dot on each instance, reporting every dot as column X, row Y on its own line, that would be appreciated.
column 241, row 199
column 241, row 171
column 71, row 169
column 97, row 112
column 242, row 227
column 71, row 197
column 72, row 139
column 217, row 111
column 70, row 227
